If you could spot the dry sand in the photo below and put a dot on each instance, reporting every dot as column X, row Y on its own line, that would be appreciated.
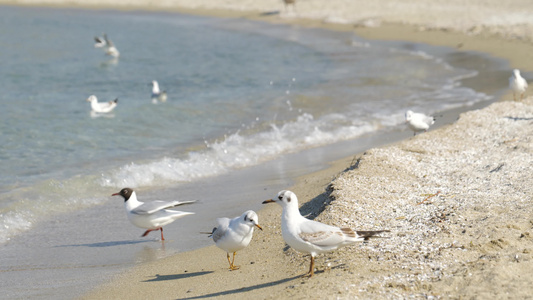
column 473, row 239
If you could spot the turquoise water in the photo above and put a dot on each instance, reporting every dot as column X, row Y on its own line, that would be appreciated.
column 241, row 95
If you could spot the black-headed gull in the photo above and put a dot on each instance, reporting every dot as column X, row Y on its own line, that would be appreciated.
column 151, row 215
column 313, row 237
column 157, row 94
column 232, row 235
column 107, row 45
column 418, row 122
column 102, row 107
column 517, row 84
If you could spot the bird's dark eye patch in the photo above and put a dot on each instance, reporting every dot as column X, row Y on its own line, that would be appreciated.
column 280, row 197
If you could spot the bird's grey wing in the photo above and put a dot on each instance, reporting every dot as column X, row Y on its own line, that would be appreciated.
column 178, row 203
column 220, row 230
column 429, row 120
column 323, row 238
column 105, row 105
column 108, row 41
column 321, row 234
column 150, row 207
column 153, row 206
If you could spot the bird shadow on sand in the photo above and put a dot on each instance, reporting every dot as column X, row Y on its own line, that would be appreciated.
column 244, row 289
column 108, row 244
column 314, row 207
column 177, row 276
column 519, row 119
column 270, row 13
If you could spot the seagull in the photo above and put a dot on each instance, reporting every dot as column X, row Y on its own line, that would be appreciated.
column 313, row 237
column 290, row 2
column 157, row 95
column 518, row 84
column 151, row 215
column 107, row 44
column 232, row 235
column 418, row 122
column 102, row 107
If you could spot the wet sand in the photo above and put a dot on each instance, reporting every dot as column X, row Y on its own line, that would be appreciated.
column 471, row 240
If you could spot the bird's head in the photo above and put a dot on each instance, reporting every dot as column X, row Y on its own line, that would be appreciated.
column 125, row 193
column 284, row 198
column 408, row 115
column 92, row 98
column 251, row 219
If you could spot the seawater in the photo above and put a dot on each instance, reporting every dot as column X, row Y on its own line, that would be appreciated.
column 240, row 94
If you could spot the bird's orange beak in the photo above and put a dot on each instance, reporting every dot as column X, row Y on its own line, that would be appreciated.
column 269, row 201
column 257, row 225
column 115, row 194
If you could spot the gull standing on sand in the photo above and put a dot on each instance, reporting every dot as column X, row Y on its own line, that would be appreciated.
column 517, row 84
column 288, row 3
column 102, row 107
column 151, row 215
column 313, row 237
column 107, row 45
column 232, row 235
column 418, row 122
column 157, row 94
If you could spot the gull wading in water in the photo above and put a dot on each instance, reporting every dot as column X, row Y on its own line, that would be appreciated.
column 157, row 94
column 517, row 84
column 107, row 45
column 232, row 235
column 151, row 215
column 313, row 237
column 102, row 107
column 418, row 122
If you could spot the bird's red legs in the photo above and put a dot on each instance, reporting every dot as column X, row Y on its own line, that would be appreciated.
column 149, row 230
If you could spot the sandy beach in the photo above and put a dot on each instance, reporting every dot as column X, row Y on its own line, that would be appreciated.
column 457, row 200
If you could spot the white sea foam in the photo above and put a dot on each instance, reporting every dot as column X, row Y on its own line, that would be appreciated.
column 238, row 151
column 33, row 204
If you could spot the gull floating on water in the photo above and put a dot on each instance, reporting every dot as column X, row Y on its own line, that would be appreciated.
column 517, row 84
column 157, row 94
column 102, row 107
column 232, row 235
column 151, row 215
column 418, row 122
column 107, row 45
column 313, row 237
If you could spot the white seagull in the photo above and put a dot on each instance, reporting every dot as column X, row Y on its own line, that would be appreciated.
column 313, row 237
column 232, row 235
column 418, row 122
column 517, row 84
column 157, row 94
column 151, row 215
column 102, row 107
column 107, row 45
column 288, row 3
